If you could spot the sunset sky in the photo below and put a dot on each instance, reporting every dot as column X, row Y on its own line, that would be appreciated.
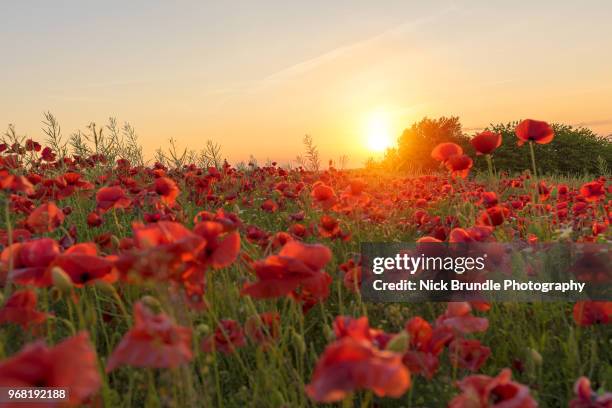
column 256, row 76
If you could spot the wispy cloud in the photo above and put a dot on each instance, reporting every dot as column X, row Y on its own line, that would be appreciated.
column 313, row 63
column 303, row 67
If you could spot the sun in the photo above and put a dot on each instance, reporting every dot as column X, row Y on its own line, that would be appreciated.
column 378, row 131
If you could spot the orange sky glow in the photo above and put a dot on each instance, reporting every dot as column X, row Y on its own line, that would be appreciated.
column 255, row 79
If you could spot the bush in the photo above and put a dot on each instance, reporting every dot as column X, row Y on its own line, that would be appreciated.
column 572, row 151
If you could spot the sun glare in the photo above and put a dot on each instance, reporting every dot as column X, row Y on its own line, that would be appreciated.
column 378, row 131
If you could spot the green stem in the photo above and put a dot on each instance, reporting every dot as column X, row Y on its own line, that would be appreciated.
column 533, row 161
column 489, row 164
column 11, row 254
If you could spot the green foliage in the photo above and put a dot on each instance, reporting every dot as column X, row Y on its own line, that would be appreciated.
column 573, row 151
column 310, row 161
column 414, row 146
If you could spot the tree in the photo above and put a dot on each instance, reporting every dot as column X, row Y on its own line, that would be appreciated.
column 414, row 146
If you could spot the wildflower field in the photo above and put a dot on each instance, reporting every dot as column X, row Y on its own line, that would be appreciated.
column 136, row 285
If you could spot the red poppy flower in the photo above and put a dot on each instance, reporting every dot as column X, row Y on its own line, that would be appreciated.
column 112, row 197
column 30, row 261
column 488, row 199
column 329, row 227
column 459, row 165
column 352, row 278
column 531, row 130
column 153, row 341
column 562, row 191
column 482, row 391
column 94, row 220
column 593, row 191
column 269, row 206
column 587, row 398
column 587, row 312
column 458, row 316
column 421, row 362
column 428, row 240
column 71, row 364
column 544, row 191
column 76, row 180
column 280, row 239
column 167, row 189
column 486, row 142
column 445, row 151
column 469, row 354
column 599, row 228
column 348, row 365
column 32, row 145
column 227, row 338
column 296, row 264
column 358, row 329
column 18, row 235
column 420, row 332
column 48, row 155
column 459, row 235
column 299, row 230
column 229, row 220
column 494, row 216
column 163, row 250
column 357, row 186
column 426, row 344
column 481, row 306
column 45, row 218
column 16, row 183
column 83, row 265
column 20, row 309
column 221, row 248
column 264, row 328
column 162, row 233
column 323, row 195
column 70, row 182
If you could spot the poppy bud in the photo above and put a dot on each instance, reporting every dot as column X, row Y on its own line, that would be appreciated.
column 104, row 286
column 61, row 280
column 565, row 234
column 298, row 341
column 399, row 342
column 152, row 303
column 203, row 329
column 115, row 240
column 534, row 356
column 329, row 333
column 277, row 398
